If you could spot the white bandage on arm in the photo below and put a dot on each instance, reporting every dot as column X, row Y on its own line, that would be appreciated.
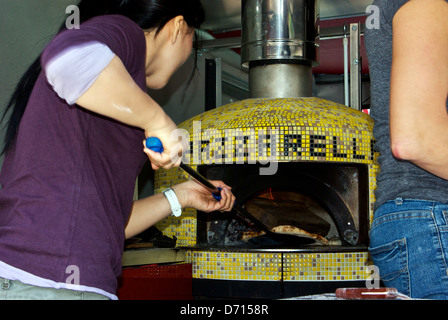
column 73, row 71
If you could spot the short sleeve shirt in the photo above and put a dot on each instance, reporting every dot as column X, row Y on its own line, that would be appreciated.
column 68, row 182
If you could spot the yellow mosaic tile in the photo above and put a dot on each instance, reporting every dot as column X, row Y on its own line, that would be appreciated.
column 279, row 266
column 236, row 265
column 326, row 266
column 305, row 129
column 282, row 130
column 373, row 172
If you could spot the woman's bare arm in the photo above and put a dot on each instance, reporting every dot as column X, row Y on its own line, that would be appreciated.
column 115, row 94
column 419, row 85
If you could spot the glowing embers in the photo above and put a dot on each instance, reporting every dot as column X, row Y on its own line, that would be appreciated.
column 323, row 202
column 294, row 213
column 282, row 210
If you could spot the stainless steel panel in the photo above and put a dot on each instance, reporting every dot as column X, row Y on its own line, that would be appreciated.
column 281, row 81
column 280, row 30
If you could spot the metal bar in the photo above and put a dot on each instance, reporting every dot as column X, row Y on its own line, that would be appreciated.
column 213, row 83
column 235, row 42
column 355, row 67
column 199, row 177
column 346, row 74
column 218, row 84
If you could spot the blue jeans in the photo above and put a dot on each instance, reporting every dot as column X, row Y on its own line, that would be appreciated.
column 409, row 245
column 15, row 290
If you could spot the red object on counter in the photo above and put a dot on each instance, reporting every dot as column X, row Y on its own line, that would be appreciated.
column 156, row 282
column 364, row 293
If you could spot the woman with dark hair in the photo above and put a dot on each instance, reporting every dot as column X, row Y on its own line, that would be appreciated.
column 73, row 149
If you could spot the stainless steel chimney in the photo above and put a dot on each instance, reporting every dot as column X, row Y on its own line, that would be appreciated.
column 280, row 41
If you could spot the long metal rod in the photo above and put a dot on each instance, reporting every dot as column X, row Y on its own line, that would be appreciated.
column 346, row 74
column 200, row 178
column 206, row 183
column 156, row 145
column 355, row 67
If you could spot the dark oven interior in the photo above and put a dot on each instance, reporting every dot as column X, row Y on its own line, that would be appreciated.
column 330, row 201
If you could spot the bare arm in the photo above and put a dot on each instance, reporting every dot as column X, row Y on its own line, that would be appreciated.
column 115, row 95
column 419, row 85
column 147, row 212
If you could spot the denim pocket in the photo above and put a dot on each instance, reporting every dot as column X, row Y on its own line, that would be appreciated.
column 391, row 259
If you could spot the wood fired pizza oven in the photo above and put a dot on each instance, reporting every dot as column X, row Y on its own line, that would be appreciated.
column 291, row 159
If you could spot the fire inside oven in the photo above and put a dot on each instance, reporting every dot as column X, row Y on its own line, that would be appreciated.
column 324, row 205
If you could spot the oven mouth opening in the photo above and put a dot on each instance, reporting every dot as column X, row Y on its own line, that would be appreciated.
column 293, row 210
column 324, row 203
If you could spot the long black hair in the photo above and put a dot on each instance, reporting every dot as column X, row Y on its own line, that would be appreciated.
column 148, row 14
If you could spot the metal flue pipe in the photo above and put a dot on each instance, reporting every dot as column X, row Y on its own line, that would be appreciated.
column 280, row 45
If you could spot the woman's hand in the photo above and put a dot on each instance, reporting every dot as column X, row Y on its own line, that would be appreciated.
column 191, row 194
column 173, row 142
column 148, row 211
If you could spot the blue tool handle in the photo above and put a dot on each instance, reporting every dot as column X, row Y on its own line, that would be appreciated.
column 217, row 195
column 155, row 144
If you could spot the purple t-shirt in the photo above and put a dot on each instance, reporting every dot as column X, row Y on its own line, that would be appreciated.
column 68, row 182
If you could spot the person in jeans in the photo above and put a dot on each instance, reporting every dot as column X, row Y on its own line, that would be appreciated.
column 408, row 58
